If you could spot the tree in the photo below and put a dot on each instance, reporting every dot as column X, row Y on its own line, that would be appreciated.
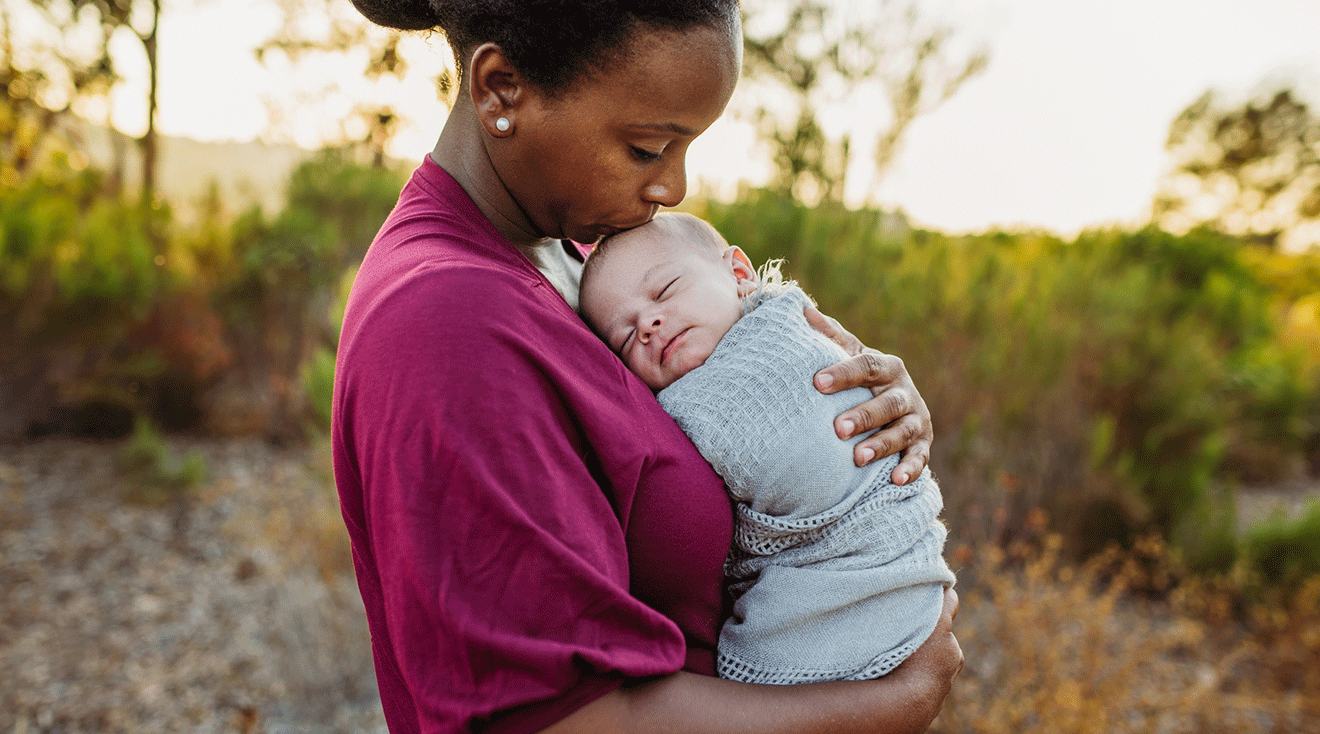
column 62, row 71
column 821, row 53
column 41, row 79
column 314, row 31
column 1251, row 170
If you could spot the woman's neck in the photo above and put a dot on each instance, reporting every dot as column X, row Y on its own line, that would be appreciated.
column 461, row 151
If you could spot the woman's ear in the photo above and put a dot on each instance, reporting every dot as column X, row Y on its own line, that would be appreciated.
column 496, row 88
column 742, row 269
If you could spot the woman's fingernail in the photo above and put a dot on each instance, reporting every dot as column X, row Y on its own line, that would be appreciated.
column 847, row 427
column 900, row 478
column 825, row 380
column 867, row 455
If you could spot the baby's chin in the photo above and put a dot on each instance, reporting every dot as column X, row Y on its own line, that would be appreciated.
column 684, row 365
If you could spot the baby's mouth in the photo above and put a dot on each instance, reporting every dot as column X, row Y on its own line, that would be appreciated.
column 664, row 353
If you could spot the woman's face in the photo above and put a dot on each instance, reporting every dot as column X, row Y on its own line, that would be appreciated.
column 605, row 155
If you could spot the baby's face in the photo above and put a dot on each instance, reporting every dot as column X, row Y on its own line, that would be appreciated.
column 661, row 305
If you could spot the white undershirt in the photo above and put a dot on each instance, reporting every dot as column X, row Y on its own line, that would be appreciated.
column 562, row 270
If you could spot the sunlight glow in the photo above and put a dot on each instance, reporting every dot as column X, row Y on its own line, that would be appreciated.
column 1064, row 130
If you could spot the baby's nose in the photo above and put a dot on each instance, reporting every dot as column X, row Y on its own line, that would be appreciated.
column 650, row 325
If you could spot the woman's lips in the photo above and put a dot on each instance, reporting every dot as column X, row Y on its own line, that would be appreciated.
column 609, row 230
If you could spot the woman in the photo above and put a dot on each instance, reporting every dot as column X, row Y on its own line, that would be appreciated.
column 537, row 545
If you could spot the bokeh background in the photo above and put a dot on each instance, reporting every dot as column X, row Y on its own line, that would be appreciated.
column 1091, row 230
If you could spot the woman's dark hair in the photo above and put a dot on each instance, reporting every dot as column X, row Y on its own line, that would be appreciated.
column 552, row 42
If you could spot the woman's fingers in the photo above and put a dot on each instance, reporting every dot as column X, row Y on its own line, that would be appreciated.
column 896, row 407
column 897, row 410
column 914, row 460
column 952, row 649
column 939, row 660
column 890, row 404
column 833, row 330
column 902, row 436
column 870, row 368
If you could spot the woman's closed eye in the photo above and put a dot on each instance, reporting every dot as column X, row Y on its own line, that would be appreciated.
column 644, row 155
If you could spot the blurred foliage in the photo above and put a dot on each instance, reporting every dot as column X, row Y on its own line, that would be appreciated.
column 315, row 31
column 283, row 273
column 1119, row 382
column 318, row 378
column 40, row 82
column 1252, row 170
column 83, row 251
column 209, row 330
column 816, row 55
column 318, row 381
column 155, row 474
column 65, row 56
column 1287, row 551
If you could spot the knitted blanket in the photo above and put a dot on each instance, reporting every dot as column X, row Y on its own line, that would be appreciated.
column 837, row 573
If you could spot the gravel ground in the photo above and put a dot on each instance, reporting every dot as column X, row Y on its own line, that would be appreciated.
column 230, row 607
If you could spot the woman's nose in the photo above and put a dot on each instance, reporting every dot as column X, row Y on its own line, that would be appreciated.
column 669, row 188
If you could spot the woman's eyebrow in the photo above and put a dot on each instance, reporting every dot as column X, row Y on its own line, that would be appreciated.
column 664, row 127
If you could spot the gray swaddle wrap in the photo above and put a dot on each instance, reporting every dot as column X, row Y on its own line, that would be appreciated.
column 837, row 573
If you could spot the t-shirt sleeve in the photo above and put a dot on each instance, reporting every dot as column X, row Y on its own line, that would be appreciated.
column 502, row 565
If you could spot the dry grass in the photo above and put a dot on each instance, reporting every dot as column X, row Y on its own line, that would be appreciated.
column 1128, row 643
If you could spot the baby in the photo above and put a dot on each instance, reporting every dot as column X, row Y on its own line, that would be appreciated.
column 837, row 574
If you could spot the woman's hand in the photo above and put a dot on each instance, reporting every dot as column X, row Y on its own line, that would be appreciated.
column 896, row 408
column 939, row 660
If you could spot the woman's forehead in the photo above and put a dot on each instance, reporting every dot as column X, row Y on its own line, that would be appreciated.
column 676, row 82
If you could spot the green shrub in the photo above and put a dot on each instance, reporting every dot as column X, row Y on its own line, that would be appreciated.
column 1287, row 551
column 155, row 474
column 108, row 302
column 80, row 250
column 352, row 198
column 318, row 380
column 318, row 377
column 1117, row 381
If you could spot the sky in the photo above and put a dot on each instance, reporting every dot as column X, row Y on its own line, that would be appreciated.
column 1064, row 129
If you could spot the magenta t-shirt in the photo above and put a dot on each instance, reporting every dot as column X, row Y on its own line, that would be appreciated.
column 529, row 528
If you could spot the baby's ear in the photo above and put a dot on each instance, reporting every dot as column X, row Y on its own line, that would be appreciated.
column 741, row 268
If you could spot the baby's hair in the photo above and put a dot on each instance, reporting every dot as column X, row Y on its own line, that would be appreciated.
column 770, row 282
column 554, row 43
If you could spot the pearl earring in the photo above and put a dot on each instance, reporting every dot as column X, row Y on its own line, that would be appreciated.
column 502, row 124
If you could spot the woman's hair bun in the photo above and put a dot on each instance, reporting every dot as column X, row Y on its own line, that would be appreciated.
column 552, row 42
column 403, row 15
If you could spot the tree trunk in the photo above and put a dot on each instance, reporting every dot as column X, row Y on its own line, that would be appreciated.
column 148, row 141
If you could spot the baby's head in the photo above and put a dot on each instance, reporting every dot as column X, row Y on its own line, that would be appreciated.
column 662, row 295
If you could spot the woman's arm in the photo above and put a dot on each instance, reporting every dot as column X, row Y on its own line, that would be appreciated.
column 896, row 408
column 906, row 700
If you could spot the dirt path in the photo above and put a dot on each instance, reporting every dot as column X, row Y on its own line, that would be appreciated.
column 230, row 609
